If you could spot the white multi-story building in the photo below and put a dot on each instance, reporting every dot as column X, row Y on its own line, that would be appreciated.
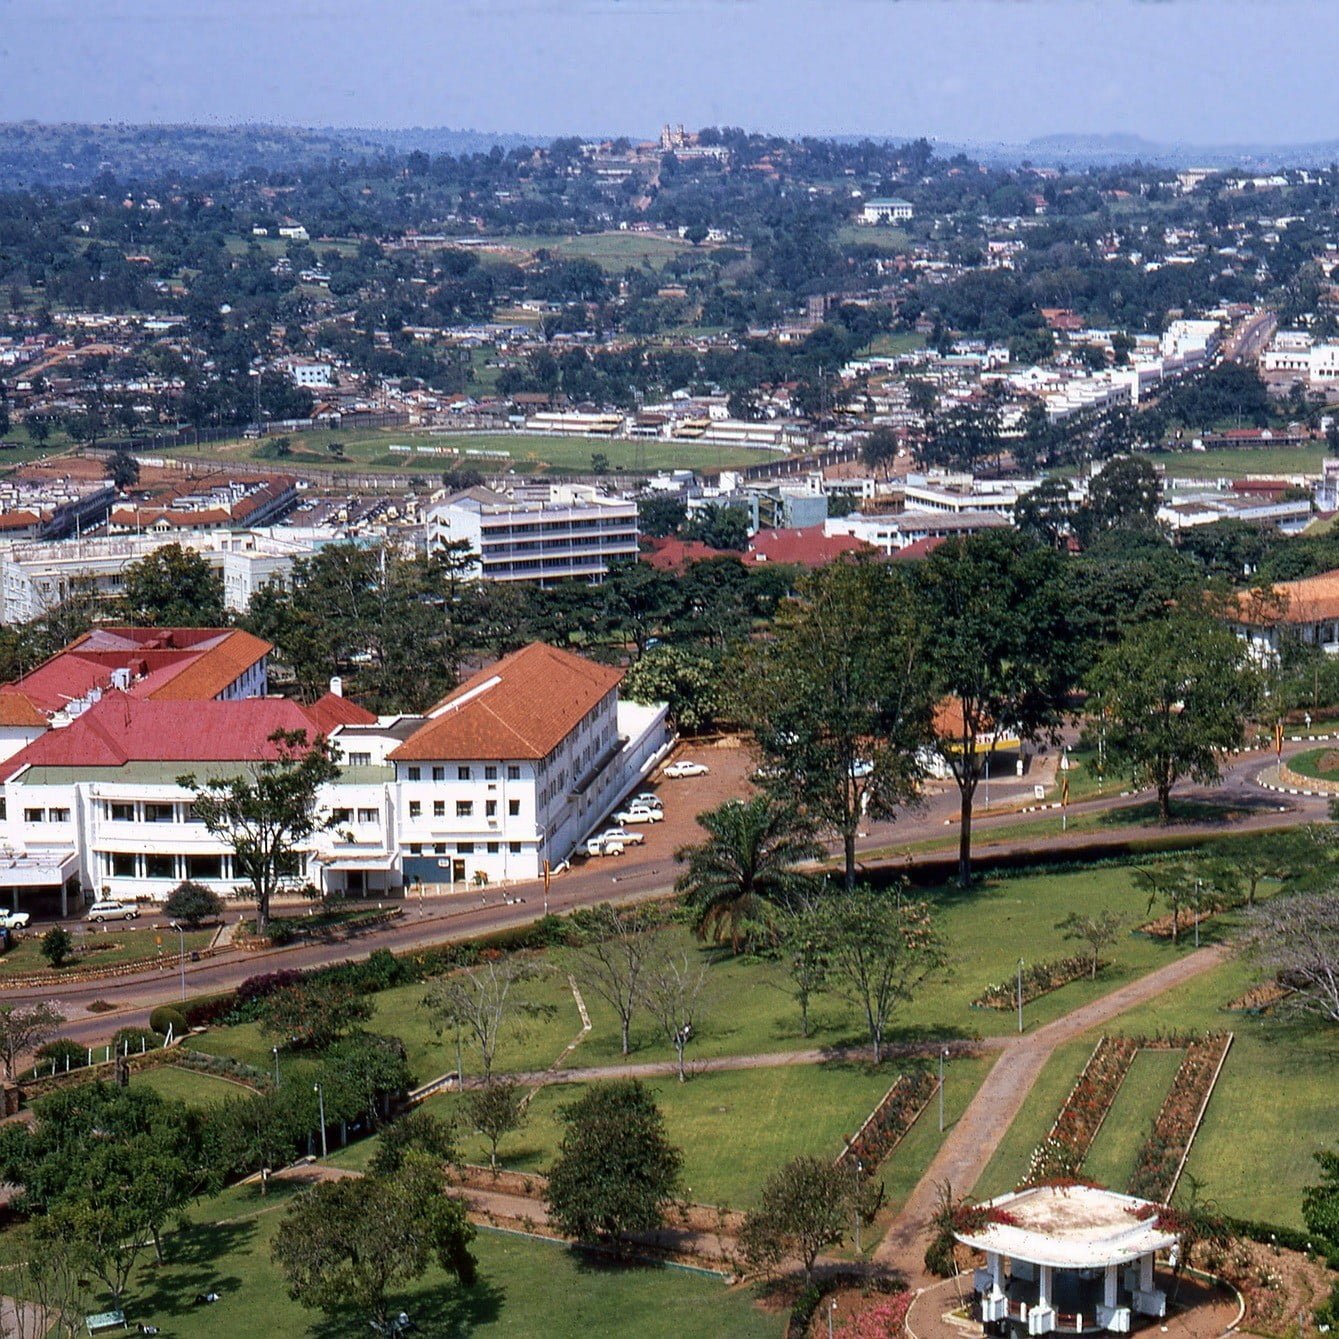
column 886, row 211
column 511, row 770
column 572, row 531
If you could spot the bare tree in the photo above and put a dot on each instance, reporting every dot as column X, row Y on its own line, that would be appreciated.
column 23, row 1028
column 480, row 1001
column 612, row 962
column 1296, row 937
column 673, row 986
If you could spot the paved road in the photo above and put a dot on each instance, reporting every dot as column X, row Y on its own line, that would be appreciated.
column 644, row 873
column 970, row 1144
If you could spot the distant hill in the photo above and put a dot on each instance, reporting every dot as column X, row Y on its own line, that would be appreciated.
column 1079, row 151
column 441, row 139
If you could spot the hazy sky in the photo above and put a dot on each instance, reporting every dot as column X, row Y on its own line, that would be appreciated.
column 1204, row 71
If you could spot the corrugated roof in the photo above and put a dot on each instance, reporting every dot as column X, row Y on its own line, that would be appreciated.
column 17, row 709
column 122, row 729
column 522, row 707
column 1308, row 600
column 805, row 546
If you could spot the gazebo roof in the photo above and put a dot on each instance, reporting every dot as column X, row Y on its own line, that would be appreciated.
column 1069, row 1227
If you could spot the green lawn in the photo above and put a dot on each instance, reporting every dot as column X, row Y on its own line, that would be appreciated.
column 525, row 1288
column 104, row 946
column 1309, row 763
column 188, row 1085
column 369, row 449
column 612, row 251
column 1111, row 1159
column 1229, row 463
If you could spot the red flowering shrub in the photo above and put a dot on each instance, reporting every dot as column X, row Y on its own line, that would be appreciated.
column 892, row 1118
column 884, row 1320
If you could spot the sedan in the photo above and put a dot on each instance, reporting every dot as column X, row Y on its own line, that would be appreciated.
column 647, row 800
column 623, row 835
column 627, row 816
column 684, row 768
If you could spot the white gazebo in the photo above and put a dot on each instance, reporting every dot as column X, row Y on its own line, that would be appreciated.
column 1069, row 1260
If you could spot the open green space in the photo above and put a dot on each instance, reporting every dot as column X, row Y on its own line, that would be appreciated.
column 526, row 1287
column 890, row 240
column 369, row 450
column 1111, row 1158
column 893, row 342
column 1273, row 1107
column 1264, row 462
column 188, row 1085
column 103, row 946
column 612, row 251
column 1320, row 764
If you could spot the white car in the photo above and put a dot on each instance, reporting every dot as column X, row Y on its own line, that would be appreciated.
column 602, row 846
column 623, row 835
column 14, row 920
column 648, row 798
column 112, row 911
column 685, row 768
column 634, row 814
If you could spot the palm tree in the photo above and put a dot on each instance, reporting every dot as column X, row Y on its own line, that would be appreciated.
column 746, row 866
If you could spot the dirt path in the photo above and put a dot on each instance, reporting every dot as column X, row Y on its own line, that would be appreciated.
column 972, row 1141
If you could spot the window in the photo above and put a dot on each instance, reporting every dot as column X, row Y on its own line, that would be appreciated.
column 490, row 809
column 160, row 867
column 121, row 813
column 465, row 848
column 513, row 808
column 415, row 848
column 514, row 848
column 462, row 773
column 159, row 813
column 122, row 865
column 34, row 815
column 492, row 848
column 464, row 808
column 439, row 808
column 439, row 848
column 412, row 773
column 439, row 773
column 513, row 771
column 415, row 808
column 341, row 815
column 204, row 866
column 360, row 760
column 369, row 815
column 58, row 816
column 490, row 773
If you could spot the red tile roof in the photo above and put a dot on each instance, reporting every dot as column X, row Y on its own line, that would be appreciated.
column 331, row 711
column 522, row 707
column 806, row 546
column 673, row 555
column 919, row 548
column 209, row 673
column 1308, row 600
column 122, row 729
column 18, row 709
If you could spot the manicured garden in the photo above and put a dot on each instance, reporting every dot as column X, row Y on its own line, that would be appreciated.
column 103, row 946
column 525, row 1287
column 188, row 1085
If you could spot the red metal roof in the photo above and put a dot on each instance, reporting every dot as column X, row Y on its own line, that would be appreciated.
column 331, row 711
column 805, row 546
column 522, row 707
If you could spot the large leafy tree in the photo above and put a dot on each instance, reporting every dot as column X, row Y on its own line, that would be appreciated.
column 268, row 811
column 173, row 587
column 344, row 1245
column 838, row 698
column 806, row 1206
column 746, row 870
column 616, row 1169
column 1000, row 653
column 1176, row 693
column 880, row 949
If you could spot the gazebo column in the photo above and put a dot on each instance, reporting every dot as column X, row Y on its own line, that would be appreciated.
column 1109, row 1288
column 1146, row 1273
column 996, row 1263
column 1044, row 1286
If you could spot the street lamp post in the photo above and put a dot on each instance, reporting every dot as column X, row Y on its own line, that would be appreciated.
column 859, row 1175
column 182, row 935
column 943, row 1055
column 320, row 1097
column 275, row 1049
column 1020, row 994
column 1199, row 901
column 832, row 1307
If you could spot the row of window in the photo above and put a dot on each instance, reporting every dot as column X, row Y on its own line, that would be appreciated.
column 461, row 848
column 46, row 815
column 464, row 772
column 464, row 809
column 164, row 865
column 339, row 816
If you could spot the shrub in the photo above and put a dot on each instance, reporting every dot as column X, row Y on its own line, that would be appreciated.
column 165, row 1017
column 57, row 946
column 135, row 1039
column 61, row 1049
column 193, row 904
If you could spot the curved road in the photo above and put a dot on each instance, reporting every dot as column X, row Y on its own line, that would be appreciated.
column 643, row 874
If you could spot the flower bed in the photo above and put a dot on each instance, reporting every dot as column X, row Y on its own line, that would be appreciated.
column 1260, row 999
column 889, row 1122
column 1159, row 1162
column 1039, row 979
column 1063, row 1150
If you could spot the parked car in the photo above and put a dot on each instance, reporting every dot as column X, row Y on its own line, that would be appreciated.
column 684, row 768
column 638, row 814
column 600, row 846
column 112, row 911
column 14, row 920
column 649, row 798
column 623, row 835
